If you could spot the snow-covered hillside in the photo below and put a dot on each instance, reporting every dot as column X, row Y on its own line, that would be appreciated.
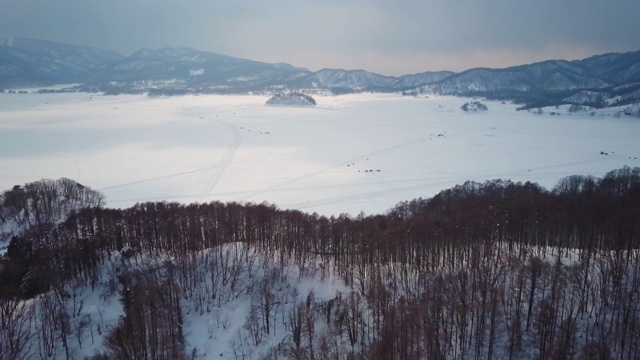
column 41, row 202
column 486, row 270
column 218, row 310
column 30, row 62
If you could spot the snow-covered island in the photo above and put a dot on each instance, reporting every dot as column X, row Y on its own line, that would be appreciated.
column 291, row 99
column 474, row 106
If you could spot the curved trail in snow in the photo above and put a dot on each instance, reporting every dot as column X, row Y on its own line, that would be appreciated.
column 220, row 168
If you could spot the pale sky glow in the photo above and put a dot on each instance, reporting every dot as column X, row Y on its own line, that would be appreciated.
column 388, row 37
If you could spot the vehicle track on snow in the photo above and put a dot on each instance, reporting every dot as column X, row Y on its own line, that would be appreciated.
column 261, row 189
column 334, row 166
column 220, row 168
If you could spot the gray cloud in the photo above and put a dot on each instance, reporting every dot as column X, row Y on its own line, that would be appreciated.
column 390, row 37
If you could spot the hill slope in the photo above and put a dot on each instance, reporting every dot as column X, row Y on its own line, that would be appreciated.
column 488, row 270
column 29, row 62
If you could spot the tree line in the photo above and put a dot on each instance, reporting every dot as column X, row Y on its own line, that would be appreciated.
column 481, row 270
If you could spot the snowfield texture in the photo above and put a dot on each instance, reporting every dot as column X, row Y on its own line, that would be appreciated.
column 349, row 153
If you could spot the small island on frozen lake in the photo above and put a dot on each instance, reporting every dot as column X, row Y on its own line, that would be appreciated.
column 474, row 106
column 291, row 99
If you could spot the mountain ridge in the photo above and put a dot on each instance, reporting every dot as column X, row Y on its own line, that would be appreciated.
column 176, row 70
column 27, row 62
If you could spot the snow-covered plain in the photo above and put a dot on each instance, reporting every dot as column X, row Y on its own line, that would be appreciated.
column 350, row 153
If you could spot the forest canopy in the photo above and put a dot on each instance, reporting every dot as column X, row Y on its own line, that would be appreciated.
column 481, row 269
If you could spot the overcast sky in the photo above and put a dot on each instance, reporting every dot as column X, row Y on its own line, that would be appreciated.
column 391, row 37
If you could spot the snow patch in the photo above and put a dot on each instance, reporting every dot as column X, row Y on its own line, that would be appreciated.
column 196, row 72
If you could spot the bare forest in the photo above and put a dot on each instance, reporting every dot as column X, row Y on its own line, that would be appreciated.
column 480, row 271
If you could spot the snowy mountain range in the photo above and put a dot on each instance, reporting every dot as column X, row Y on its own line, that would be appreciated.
column 603, row 80
column 29, row 62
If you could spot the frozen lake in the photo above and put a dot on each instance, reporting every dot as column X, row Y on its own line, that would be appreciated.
column 350, row 153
